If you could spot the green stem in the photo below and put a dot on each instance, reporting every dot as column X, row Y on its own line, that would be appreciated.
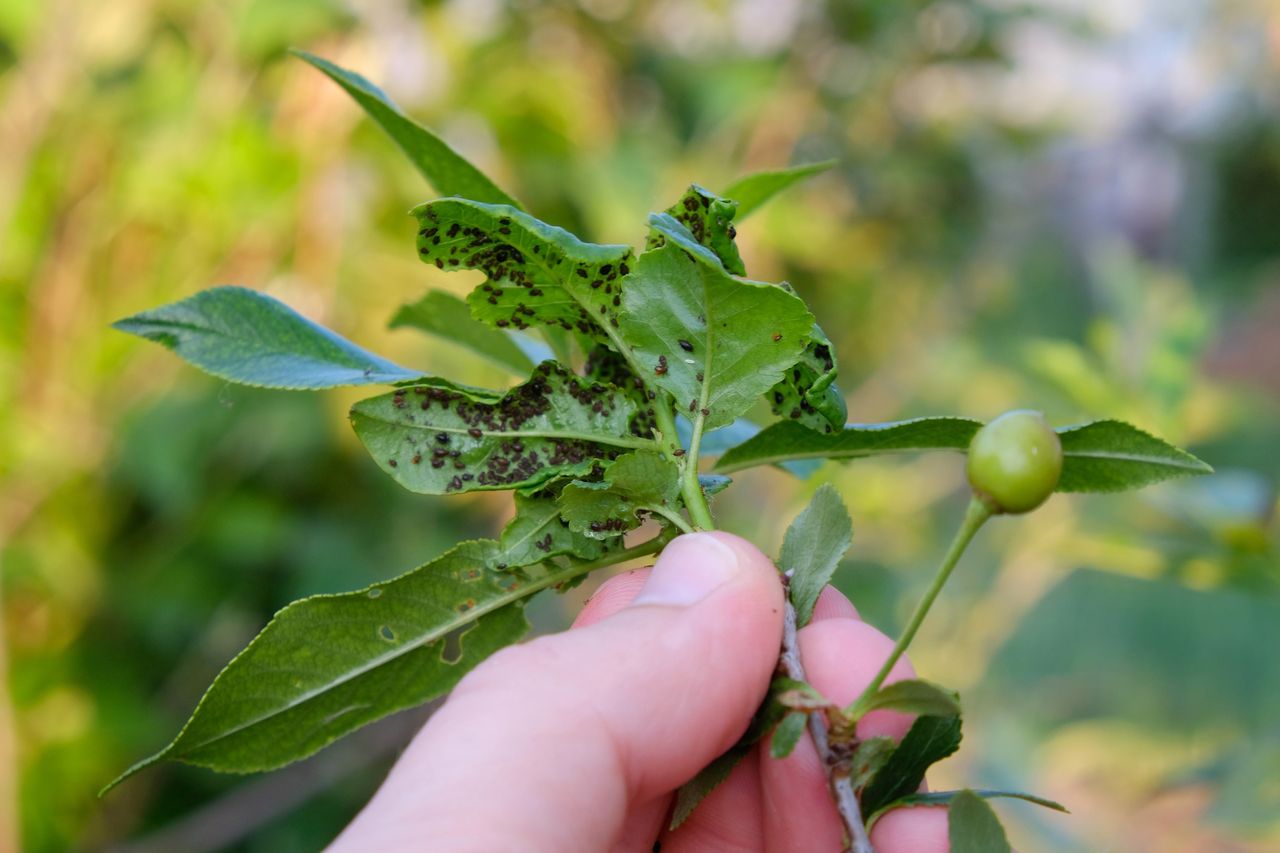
column 690, row 489
column 573, row 570
column 974, row 517
column 671, row 516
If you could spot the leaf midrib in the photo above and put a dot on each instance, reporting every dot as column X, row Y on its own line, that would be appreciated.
column 1170, row 462
column 472, row 616
column 592, row 437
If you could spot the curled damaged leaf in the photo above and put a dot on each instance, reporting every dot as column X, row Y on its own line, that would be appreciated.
column 635, row 482
column 328, row 664
column 712, row 341
column 438, row 440
column 709, row 219
column 807, row 393
column 538, row 274
column 537, row 533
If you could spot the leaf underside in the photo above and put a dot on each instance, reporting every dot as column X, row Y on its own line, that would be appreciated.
column 248, row 337
column 329, row 664
column 787, row 441
column 446, row 316
column 642, row 480
column 813, row 547
column 537, row 533
column 438, row 441
column 715, row 343
column 537, row 274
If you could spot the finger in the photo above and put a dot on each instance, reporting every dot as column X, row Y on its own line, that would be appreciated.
column 728, row 819
column 840, row 658
column 549, row 744
column 613, row 595
column 922, row 829
column 832, row 604
column 643, row 823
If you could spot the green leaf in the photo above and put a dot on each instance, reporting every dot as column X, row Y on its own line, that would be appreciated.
column 807, row 393
column 910, row 696
column 447, row 170
column 446, row 316
column 765, row 719
column 972, row 827
column 1111, row 456
column 537, row 274
column 611, row 368
column 798, row 695
column 813, row 547
column 714, row 484
column 942, row 798
column 247, row 337
column 439, row 440
column 789, row 441
column 708, row 779
column 929, row 740
column 869, row 757
column 328, row 664
column 787, row 734
column 643, row 480
column 752, row 191
column 714, row 342
column 709, row 220
column 537, row 533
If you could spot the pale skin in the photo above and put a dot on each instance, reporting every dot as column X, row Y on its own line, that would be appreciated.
column 577, row 741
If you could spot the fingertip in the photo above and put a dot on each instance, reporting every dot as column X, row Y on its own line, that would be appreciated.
column 833, row 604
column 613, row 595
column 920, row 829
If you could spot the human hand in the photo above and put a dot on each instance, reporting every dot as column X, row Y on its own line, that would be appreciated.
column 577, row 741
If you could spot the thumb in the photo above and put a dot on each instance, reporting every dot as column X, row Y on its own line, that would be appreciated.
column 548, row 744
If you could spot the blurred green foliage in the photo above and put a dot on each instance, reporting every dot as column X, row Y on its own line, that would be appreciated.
column 1031, row 208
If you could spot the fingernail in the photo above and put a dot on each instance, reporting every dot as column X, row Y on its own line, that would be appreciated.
column 689, row 569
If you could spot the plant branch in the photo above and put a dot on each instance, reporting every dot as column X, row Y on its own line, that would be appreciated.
column 975, row 516
column 836, row 766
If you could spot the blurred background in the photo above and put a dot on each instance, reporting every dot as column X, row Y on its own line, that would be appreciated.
column 1072, row 205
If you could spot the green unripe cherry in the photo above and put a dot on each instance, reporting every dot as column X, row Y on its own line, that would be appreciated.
column 1015, row 462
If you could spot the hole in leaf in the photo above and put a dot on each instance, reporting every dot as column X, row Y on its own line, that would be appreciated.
column 451, row 650
column 387, row 634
